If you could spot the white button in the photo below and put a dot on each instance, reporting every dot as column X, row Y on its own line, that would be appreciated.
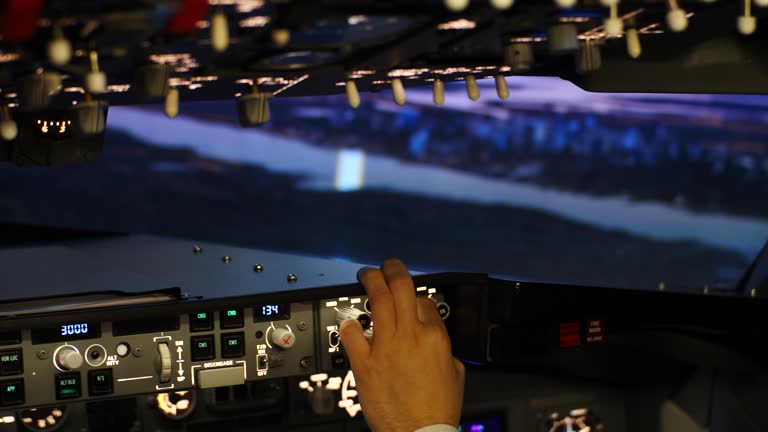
column 123, row 349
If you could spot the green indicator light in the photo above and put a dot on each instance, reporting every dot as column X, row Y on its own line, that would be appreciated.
column 233, row 341
column 231, row 313
column 202, row 315
column 67, row 391
column 202, row 344
column 100, row 378
column 10, row 388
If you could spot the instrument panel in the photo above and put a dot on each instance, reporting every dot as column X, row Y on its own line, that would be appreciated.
column 85, row 360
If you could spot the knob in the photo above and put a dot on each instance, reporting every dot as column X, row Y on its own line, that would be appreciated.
column 283, row 338
column 69, row 358
column 346, row 313
column 163, row 362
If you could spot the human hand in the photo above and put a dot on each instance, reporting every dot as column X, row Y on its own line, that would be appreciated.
column 406, row 376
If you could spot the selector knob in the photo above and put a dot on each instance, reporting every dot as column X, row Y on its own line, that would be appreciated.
column 69, row 358
column 345, row 313
column 283, row 338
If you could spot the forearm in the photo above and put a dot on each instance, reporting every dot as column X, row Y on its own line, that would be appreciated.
column 438, row 428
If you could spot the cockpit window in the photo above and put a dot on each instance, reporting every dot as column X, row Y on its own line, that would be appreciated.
column 553, row 183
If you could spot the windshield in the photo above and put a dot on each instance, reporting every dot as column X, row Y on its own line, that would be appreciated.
column 552, row 184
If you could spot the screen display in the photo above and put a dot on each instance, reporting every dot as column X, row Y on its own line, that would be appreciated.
column 66, row 332
column 271, row 312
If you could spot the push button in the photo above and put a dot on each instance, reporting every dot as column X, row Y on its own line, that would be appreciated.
column 203, row 348
column 232, row 345
column 68, row 386
column 11, row 362
column 100, row 382
column 200, row 321
column 444, row 310
column 231, row 318
column 12, row 392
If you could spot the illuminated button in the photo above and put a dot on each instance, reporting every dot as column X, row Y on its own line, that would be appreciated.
column 231, row 318
column 11, row 362
column 68, row 385
column 123, row 349
column 100, row 382
column 203, row 347
column 232, row 345
column 200, row 321
column 12, row 392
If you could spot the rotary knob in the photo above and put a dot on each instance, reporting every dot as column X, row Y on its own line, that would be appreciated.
column 69, row 358
column 284, row 338
column 346, row 313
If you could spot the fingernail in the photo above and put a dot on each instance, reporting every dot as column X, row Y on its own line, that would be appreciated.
column 362, row 269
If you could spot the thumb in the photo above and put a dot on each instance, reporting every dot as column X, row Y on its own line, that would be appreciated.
column 354, row 341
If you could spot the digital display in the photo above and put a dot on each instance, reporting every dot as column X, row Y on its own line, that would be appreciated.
column 66, row 332
column 271, row 312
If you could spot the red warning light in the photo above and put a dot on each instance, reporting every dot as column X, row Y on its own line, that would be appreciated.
column 570, row 334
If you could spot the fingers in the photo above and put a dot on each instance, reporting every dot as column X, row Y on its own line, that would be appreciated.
column 459, row 368
column 404, row 294
column 427, row 310
column 354, row 341
column 381, row 301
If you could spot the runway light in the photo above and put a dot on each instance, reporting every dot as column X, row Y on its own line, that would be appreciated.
column 459, row 24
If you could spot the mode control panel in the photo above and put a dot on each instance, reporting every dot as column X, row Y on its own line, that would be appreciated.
column 205, row 348
column 332, row 312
